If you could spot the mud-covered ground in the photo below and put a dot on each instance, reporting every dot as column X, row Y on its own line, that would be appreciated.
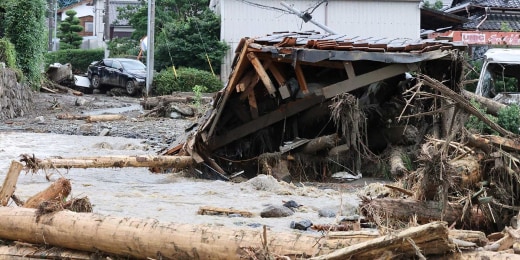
column 158, row 132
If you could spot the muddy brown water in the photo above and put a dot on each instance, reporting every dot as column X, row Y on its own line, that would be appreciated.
column 136, row 192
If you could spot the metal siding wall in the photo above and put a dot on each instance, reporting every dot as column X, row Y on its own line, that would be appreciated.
column 359, row 17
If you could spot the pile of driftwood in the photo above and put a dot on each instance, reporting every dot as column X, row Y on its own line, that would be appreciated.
column 50, row 226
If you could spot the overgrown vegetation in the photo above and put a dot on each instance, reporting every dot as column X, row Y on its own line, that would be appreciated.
column 166, row 83
column 437, row 5
column 79, row 59
column 187, row 33
column 25, row 28
column 123, row 47
column 7, row 53
column 69, row 31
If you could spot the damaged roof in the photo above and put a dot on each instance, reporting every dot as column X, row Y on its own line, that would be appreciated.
column 493, row 22
column 278, row 78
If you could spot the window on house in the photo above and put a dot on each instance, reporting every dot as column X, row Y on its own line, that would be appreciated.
column 89, row 27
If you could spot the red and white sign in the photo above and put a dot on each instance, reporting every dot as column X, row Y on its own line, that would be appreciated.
column 478, row 37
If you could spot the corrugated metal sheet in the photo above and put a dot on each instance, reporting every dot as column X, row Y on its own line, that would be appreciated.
column 393, row 19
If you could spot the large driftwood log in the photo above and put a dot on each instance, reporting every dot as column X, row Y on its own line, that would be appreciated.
column 498, row 141
column 56, row 192
column 10, row 181
column 141, row 238
column 492, row 107
column 320, row 143
column 424, row 211
column 152, row 102
column 430, row 239
column 477, row 237
column 467, row 170
column 397, row 167
column 110, row 161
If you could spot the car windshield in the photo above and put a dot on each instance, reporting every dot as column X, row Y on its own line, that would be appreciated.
column 133, row 65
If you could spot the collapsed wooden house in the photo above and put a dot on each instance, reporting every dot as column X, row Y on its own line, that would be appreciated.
column 297, row 98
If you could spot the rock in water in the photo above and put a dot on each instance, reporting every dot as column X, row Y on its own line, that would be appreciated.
column 276, row 212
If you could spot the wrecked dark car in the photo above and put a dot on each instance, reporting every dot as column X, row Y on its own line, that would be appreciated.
column 118, row 72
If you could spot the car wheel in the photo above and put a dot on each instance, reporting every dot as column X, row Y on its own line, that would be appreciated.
column 130, row 87
column 95, row 82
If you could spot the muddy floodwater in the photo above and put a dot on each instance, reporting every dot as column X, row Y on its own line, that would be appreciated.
column 136, row 192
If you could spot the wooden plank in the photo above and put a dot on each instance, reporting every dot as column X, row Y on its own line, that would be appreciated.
column 301, row 78
column 10, row 181
column 284, row 111
column 262, row 73
column 208, row 210
column 349, row 69
column 250, row 87
column 253, row 107
column 367, row 78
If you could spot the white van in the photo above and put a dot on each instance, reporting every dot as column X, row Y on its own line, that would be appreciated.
column 499, row 78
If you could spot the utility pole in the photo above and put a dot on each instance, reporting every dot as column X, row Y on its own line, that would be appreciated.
column 150, row 45
column 307, row 18
column 106, row 31
column 50, row 17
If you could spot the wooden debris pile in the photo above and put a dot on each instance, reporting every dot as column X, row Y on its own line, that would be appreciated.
column 304, row 106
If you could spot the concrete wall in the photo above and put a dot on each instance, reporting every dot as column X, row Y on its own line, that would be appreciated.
column 365, row 18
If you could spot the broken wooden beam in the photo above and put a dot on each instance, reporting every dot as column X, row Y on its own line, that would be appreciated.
column 10, row 181
column 56, row 192
column 109, row 161
column 260, row 70
column 149, row 238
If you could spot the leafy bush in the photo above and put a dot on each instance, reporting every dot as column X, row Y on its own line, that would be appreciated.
column 476, row 124
column 7, row 53
column 165, row 81
column 79, row 59
column 123, row 47
column 509, row 118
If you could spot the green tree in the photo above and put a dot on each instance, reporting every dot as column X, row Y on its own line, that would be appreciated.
column 68, row 31
column 25, row 28
column 186, row 30
column 437, row 5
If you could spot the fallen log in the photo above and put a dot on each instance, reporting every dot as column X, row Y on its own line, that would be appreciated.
column 484, row 255
column 430, row 239
column 423, row 211
column 477, row 237
column 10, row 181
column 56, row 192
column 498, row 141
column 467, row 170
column 320, row 143
column 148, row 238
column 152, row 102
column 28, row 251
column 492, row 107
column 207, row 210
column 68, row 116
column 109, row 161
column 104, row 118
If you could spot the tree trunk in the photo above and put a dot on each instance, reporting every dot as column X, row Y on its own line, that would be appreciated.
column 477, row 237
column 57, row 192
column 431, row 238
column 111, row 161
column 10, row 182
column 492, row 107
column 21, row 251
column 397, row 167
column 148, row 238
column 152, row 102
column 467, row 171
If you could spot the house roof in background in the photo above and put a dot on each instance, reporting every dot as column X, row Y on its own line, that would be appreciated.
column 502, row 4
column 72, row 6
column 493, row 22
column 432, row 19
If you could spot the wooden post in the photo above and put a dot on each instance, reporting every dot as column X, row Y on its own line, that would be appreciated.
column 301, row 78
column 10, row 181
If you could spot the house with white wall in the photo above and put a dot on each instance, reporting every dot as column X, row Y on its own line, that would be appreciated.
column 91, row 13
column 362, row 18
